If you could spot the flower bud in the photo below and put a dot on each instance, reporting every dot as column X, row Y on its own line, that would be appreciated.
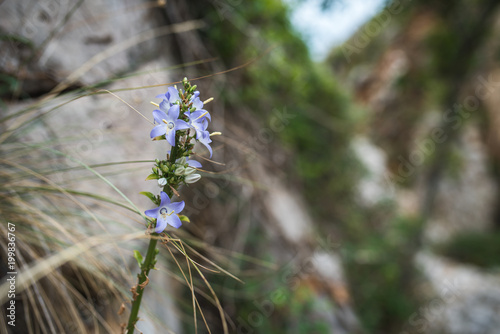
column 192, row 178
column 189, row 170
column 162, row 182
column 179, row 171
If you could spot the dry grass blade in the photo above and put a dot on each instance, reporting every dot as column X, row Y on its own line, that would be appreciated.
column 215, row 265
column 44, row 267
column 191, row 287
column 128, row 104
column 219, row 306
column 181, row 249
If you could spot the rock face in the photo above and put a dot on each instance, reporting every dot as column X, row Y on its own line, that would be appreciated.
column 53, row 40
column 472, row 206
column 59, row 45
column 467, row 300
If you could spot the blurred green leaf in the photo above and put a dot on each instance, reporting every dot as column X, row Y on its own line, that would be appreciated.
column 138, row 257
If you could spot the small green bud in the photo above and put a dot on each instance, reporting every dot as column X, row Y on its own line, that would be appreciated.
column 157, row 161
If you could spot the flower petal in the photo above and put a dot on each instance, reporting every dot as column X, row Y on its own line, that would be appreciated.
column 171, row 137
column 174, row 221
column 208, row 148
column 164, row 105
column 194, row 163
column 204, row 124
column 165, row 200
column 205, row 140
column 181, row 125
column 161, row 223
column 159, row 116
column 153, row 213
column 207, row 114
column 176, row 206
column 197, row 103
column 188, row 114
column 158, row 131
column 199, row 133
column 173, row 94
column 173, row 112
column 194, row 115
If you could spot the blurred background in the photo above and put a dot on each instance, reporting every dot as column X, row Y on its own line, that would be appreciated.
column 354, row 188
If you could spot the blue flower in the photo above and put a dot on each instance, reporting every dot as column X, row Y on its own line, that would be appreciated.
column 171, row 96
column 166, row 213
column 198, row 120
column 196, row 102
column 168, row 124
column 205, row 140
column 165, row 107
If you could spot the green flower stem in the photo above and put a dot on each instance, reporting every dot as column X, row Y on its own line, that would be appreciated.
column 147, row 265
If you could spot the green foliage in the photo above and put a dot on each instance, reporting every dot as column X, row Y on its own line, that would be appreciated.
column 8, row 84
column 285, row 79
column 480, row 249
column 149, row 195
column 184, row 219
column 379, row 270
column 138, row 257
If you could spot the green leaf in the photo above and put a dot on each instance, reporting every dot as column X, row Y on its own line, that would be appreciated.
column 149, row 195
column 138, row 257
column 152, row 177
column 184, row 219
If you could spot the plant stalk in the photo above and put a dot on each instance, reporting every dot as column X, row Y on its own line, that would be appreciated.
column 147, row 265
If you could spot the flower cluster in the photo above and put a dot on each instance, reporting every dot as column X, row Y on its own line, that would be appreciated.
column 180, row 120
column 182, row 110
